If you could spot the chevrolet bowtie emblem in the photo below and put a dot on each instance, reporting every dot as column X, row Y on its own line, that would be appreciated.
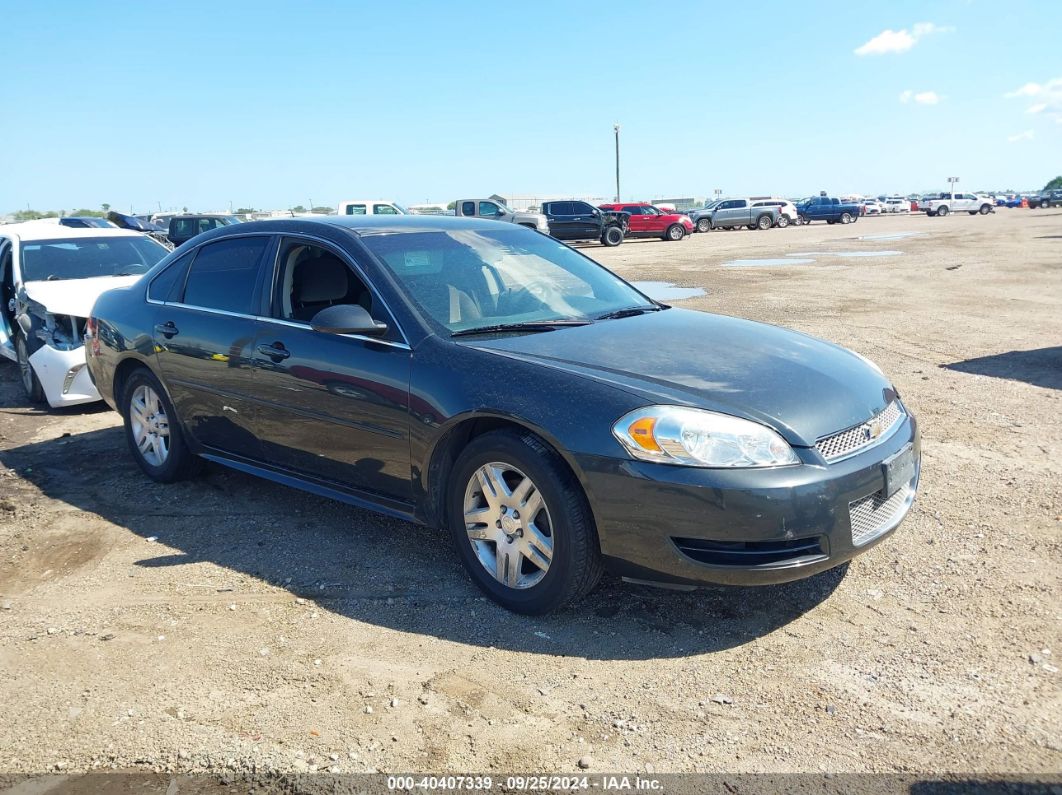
column 872, row 430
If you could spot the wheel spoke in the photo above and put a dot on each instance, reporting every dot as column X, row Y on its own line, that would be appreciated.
column 513, row 558
column 501, row 558
column 521, row 492
column 532, row 506
column 539, row 547
column 481, row 532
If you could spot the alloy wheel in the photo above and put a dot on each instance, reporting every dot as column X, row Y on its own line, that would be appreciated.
column 508, row 525
column 150, row 425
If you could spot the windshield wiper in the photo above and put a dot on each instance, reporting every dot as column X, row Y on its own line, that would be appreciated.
column 530, row 325
column 630, row 311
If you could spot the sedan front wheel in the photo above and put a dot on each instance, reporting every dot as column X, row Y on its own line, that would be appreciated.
column 521, row 523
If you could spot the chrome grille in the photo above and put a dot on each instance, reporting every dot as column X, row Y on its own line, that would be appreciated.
column 875, row 514
column 851, row 440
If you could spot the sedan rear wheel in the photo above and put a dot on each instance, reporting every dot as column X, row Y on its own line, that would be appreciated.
column 521, row 523
column 152, row 431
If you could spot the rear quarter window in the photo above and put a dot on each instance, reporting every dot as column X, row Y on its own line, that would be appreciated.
column 166, row 286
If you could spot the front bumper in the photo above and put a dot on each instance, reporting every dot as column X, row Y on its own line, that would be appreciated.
column 63, row 376
column 690, row 526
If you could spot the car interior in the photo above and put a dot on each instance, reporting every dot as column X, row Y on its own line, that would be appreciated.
column 313, row 278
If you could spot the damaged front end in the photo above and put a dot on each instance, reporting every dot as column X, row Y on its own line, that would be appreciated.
column 56, row 347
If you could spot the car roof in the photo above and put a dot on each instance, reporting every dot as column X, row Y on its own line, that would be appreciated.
column 38, row 230
column 361, row 225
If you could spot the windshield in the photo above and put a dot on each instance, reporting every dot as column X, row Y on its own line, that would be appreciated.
column 85, row 258
column 464, row 279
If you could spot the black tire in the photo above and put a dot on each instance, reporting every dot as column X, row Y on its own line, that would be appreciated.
column 985, row 209
column 972, row 212
column 803, row 220
column 704, row 224
column 830, row 222
column 783, row 221
column 31, row 385
column 764, row 222
column 943, row 210
column 612, row 236
column 675, row 233
column 180, row 463
column 750, row 227
column 576, row 565
column 846, row 218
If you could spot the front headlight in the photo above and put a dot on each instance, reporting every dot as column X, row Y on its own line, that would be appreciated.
column 695, row 437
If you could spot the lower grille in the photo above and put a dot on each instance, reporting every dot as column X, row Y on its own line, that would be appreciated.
column 875, row 514
column 751, row 553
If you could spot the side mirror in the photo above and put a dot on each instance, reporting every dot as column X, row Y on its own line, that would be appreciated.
column 347, row 319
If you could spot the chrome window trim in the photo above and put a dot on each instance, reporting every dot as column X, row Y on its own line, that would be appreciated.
column 264, row 319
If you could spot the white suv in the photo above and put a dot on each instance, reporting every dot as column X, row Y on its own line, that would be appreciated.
column 787, row 211
column 959, row 202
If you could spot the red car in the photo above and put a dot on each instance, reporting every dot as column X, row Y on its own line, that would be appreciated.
column 649, row 221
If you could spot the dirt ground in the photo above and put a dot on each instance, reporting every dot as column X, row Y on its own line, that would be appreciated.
column 230, row 624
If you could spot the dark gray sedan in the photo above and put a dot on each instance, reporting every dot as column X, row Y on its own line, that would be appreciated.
column 489, row 380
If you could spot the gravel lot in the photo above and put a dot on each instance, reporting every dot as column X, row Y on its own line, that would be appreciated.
column 229, row 624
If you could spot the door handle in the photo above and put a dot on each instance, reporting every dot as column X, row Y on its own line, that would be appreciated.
column 167, row 329
column 276, row 351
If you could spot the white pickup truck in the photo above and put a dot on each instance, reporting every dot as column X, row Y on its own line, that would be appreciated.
column 957, row 203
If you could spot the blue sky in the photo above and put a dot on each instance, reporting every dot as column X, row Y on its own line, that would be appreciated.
column 270, row 104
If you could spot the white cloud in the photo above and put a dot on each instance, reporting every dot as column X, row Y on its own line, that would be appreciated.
column 1027, row 90
column 1048, row 98
column 900, row 40
column 1028, row 135
column 921, row 97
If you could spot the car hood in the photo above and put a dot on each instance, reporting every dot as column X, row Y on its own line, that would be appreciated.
column 804, row 387
column 74, row 296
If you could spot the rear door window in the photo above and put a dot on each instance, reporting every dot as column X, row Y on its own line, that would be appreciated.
column 224, row 275
column 384, row 209
column 355, row 209
column 167, row 285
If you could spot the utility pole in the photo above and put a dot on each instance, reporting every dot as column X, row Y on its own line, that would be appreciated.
column 616, row 127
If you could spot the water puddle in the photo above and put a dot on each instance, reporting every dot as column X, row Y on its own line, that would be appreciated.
column 666, row 291
column 847, row 254
column 766, row 263
column 891, row 236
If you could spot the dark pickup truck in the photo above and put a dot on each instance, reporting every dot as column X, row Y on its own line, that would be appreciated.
column 830, row 210
column 185, row 227
column 1047, row 198
column 576, row 220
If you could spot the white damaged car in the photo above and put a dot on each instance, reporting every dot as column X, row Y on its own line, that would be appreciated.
column 50, row 276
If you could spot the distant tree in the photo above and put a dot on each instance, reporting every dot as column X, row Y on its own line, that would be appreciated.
column 323, row 210
column 298, row 208
column 34, row 215
column 184, row 209
column 1054, row 184
column 245, row 210
column 87, row 213
column 451, row 206
column 105, row 206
